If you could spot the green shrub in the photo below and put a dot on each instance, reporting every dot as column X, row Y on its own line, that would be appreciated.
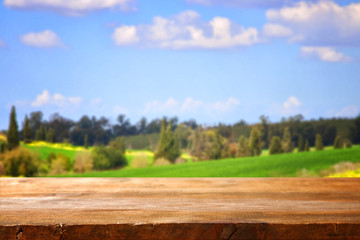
column 338, row 143
column 60, row 164
column 20, row 162
column 107, row 158
column 3, row 146
column 83, row 162
column 243, row 147
column 275, row 145
column 347, row 143
column 2, row 169
column 319, row 143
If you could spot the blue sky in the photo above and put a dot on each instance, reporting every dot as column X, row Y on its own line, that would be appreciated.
column 214, row 61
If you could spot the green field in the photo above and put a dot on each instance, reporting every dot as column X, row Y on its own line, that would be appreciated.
column 43, row 149
column 282, row 165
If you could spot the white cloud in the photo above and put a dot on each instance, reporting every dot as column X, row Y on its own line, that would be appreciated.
column 186, row 30
column 70, row 7
column 58, row 100
column 290, row 106
column 117, row 109
column 170, row 105
column 95, row 102
column 125, row 35
column 42, row 99
column 243, row 3
column 45, row 39
column 276, row 30
column 322, row 23
column 229, row 105
column 348, row 111
column 327, row 54
column 191, row 105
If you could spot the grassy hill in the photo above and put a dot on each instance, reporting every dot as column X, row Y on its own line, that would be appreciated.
column 282, row 165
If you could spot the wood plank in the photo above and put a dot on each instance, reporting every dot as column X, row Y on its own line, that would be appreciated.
column 179, row 208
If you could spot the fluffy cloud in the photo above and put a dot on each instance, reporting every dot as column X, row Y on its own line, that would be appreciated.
column 322, row 23
column 58, row 100
column 348, row 111
column 290, row 106
column 243, row 3
column 190, row 106
column 45, row 39
column 125, row 35
column 228, row 105
column 326, row 54
column 276, row 30
column 170, row 105
column 186, row 30
column 70, row 7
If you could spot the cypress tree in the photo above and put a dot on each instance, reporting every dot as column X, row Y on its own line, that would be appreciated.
column 86, row 144
column 255, row 141
column 27, row 130
column 307, row 147
column 13, row 135
column 172, row 150
column 286, row 141
column 301, row 147
column 168, row 146
column 338, row 143
column 162, row 142
column 275, row 145
column 319, row 143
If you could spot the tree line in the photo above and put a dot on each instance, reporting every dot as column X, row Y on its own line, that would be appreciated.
column 203, row 143
column 89, row 131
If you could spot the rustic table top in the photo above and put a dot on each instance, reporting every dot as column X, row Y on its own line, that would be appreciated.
column 179, row 208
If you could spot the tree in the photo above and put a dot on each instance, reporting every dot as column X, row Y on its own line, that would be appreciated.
column 86, row 141
column 355, row 131
column 13, row 135
column 301, row 147
column 118, row 144
column 107, row 158
column 243, row 149
column 275, row 145
column 319, row 143
column 50, row 135
column 213, row 145
column 21, row 162
column 168, row 146
column 83, row 162
column 35, row 122
column 40, row 134
column 182, row 134
column 287, row 145
column 255, row 141
column 307, row 147
column 27, row 130
column 338, row 143
column 197, row 142
column 265, row 130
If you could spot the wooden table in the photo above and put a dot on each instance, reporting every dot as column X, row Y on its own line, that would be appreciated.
column 179, row 208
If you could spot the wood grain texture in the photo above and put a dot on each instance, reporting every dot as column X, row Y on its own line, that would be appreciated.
column 179, row 208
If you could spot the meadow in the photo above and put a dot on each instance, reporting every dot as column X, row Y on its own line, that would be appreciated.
column 304, row 164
